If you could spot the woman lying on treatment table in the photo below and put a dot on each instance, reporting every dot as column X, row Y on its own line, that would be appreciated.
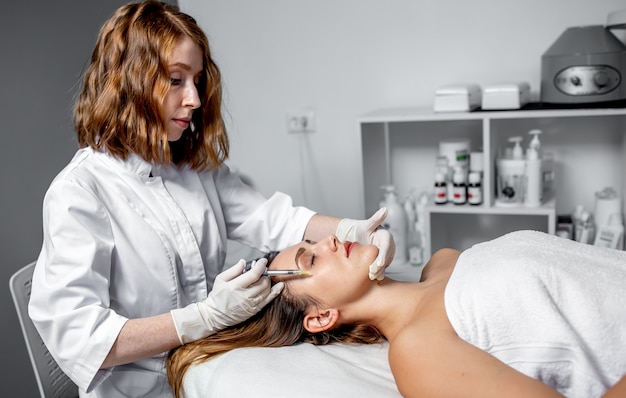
column 525, row 315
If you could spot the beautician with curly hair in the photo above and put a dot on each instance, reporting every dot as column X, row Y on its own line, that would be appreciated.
column 136, row 225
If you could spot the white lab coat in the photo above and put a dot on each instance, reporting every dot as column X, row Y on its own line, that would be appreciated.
column 127, row 239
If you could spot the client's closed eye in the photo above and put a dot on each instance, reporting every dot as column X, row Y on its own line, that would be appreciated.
column 307, row 260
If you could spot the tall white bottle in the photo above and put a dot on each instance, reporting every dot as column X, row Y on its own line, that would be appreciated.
column 395, row 222
column 413, row 243
column 534, row 183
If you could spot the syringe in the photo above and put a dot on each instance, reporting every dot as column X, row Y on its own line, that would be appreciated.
column 278, row 272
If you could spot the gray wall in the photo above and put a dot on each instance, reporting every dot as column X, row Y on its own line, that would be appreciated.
column 346, row 58
column 44, row 46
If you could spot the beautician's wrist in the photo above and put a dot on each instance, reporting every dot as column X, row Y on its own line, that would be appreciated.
column 189, row 323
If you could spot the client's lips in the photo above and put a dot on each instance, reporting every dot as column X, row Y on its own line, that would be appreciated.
column 349, row 246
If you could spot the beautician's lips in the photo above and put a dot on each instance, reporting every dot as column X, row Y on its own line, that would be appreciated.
column 182, row 122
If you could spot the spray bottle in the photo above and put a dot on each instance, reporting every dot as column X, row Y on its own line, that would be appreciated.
column 534, row 186
column 395, row 222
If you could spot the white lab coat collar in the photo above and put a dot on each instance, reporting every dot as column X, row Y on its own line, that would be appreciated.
column 134, row 164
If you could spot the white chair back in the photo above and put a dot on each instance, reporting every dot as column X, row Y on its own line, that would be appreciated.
column 51, row 380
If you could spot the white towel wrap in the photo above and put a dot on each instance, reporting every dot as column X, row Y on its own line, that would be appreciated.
column 552, row 308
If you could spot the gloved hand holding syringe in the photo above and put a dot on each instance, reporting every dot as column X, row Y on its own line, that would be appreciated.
column 235, row 297
column 277, row 272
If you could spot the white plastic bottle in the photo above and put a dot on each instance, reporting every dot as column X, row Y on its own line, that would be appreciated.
column 415, row 244
column 395, row 222
column 534, row 186
column 585, row 230
column 411, row 220
column 517, row 152
column 612, row 234
column 420, row 226
column 576, row 216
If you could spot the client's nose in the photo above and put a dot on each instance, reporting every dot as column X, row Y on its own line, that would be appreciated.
column 333, row 242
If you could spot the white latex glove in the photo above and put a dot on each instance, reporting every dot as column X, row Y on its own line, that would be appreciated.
column 235, row 297
column 368, row 232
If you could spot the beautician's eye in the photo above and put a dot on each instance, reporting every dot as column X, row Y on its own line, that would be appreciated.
column 175, row 82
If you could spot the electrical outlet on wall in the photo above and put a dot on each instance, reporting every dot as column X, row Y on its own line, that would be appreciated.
column 301, row 121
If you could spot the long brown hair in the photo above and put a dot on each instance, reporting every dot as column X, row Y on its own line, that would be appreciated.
column 119, row 106
column 278, row 324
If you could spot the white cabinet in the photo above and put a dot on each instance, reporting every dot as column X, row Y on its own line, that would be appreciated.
column 400, row 147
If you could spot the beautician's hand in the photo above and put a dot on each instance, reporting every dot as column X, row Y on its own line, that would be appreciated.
column 235, row 297
column 368, row 232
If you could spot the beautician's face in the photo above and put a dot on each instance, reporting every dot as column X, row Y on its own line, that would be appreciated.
column 339, row 271
column 185, row 69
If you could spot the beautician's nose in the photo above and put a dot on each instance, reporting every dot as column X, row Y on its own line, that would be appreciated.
column 191, row 97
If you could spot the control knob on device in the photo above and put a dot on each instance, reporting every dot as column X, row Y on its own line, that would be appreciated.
column 601, row 79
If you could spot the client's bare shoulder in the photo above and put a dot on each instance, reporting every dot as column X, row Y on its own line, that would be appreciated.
column 418, row 346
column 421, row 359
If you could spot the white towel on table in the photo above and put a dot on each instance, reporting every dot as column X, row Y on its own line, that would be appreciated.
column 552, row 308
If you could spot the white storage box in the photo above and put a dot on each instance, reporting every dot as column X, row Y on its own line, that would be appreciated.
column 505, row 96
column 458, row 98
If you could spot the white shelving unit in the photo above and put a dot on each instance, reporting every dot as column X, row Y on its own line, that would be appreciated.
column 399, row 147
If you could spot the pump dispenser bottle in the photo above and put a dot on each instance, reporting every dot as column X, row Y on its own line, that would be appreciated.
column 395, row 222
column 510, row 170
column 518, row 152
column 534, row 186
column 534, row 142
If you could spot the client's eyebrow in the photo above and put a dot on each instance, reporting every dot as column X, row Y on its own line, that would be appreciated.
column 298, row 254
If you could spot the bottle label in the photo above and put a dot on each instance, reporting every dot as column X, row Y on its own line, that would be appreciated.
column 460, row 195
column 474, row 195
column 462, row 156
column 441, row 195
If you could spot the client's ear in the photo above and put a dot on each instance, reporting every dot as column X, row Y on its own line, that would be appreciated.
column 318, row 321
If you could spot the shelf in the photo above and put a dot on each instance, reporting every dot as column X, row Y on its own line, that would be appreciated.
column 399, row 147
column 451, row 208
column 427, row 114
